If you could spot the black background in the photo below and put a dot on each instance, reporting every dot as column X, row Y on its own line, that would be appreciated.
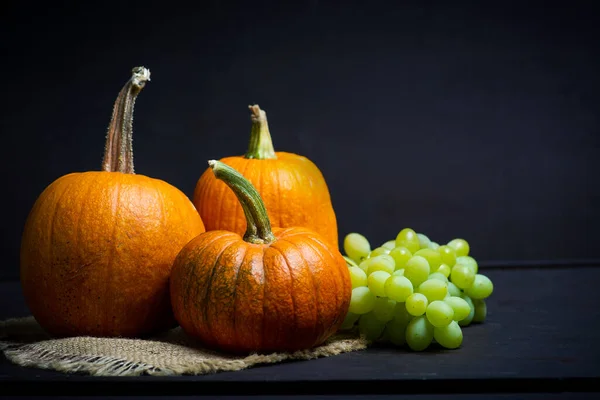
column 478, row 120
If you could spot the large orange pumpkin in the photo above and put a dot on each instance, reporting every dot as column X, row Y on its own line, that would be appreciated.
column 293, row 189
column 280, row 289
column 98, row 246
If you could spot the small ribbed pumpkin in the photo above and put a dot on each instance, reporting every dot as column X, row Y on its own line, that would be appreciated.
column 292, row 187
column 98, row 246
column 280, row 289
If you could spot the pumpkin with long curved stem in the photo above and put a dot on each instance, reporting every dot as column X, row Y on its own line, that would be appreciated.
column 293, row 189
column 280, row 289
column 98, row 246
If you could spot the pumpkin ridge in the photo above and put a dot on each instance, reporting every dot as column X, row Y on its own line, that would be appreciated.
column 296, row 231
column 199, row 192
column 339, row 274
column 208, row 191
column 315, row 175
column 237, row 209
column 312, row 277
column 263, row 284
column 51, row 244
column 314, row 282
column 298, row 178
column 235, row 285
column 156, row 184
column 192, row 274
column 278, row 185
column 109, row 264
column 289, row 268
column 209, row 286
column 252, row 337
column 224, row 189
column 159, row 195
column 325, row 332
column 84, row 204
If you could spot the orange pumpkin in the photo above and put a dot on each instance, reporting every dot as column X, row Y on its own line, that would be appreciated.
column 280, row 289
column 98, row 246
column 291, row 186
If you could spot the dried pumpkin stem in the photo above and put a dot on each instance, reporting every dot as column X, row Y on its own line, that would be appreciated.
column 118, row 150
column 261, row 145
column 258, row 225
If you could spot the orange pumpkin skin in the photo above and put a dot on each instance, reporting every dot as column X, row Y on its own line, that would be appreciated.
column 97, row 251
column 291, row 186
column 237, row 296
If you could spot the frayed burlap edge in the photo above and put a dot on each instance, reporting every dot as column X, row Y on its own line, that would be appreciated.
column 24, row 343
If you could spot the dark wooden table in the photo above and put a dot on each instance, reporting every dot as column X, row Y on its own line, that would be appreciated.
column 540, row 341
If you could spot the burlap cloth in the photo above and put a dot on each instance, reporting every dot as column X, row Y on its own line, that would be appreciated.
column 23, row 342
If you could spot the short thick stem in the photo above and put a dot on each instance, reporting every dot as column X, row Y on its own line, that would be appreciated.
column 258, row 225
column 261, row 145
column 118, row 150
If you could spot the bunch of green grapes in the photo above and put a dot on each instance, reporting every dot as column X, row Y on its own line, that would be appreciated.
column 412, row 291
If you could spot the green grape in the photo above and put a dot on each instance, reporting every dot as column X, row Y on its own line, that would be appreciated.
column 376, row 282
column 364, row 265
column 416, row 304
column 439, row 313
column 462, row 276
column 449, row 336
column 362, row 300
column 400, row 255
column 417, row 270
column 398, row 288
column 384, row 309
column 349, row 321
column 434, row 245
column 379, row 251
column 390, row 244
column 437, row 275
column 357, row 277
column 433, row 289
column 480, row 310
column 398, row 272
column 370, row 326
column 469, row 262
column 453, row 290
column 396, row 329
column 409, row 239
column 433, row 258
column 481, row 288
column 401, row 313
column 385, row 336
column 383, row 262
column 356, row 246
column 460, row 246
column 460, row 306
column 419, row 333
column 424, row 241
column 469, row 318
column 448, row 255
column 350, row 262
column 444, row 269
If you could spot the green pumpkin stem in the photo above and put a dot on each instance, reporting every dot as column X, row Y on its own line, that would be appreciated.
column 118, row 150
column 258, row 228
column 261, row 145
